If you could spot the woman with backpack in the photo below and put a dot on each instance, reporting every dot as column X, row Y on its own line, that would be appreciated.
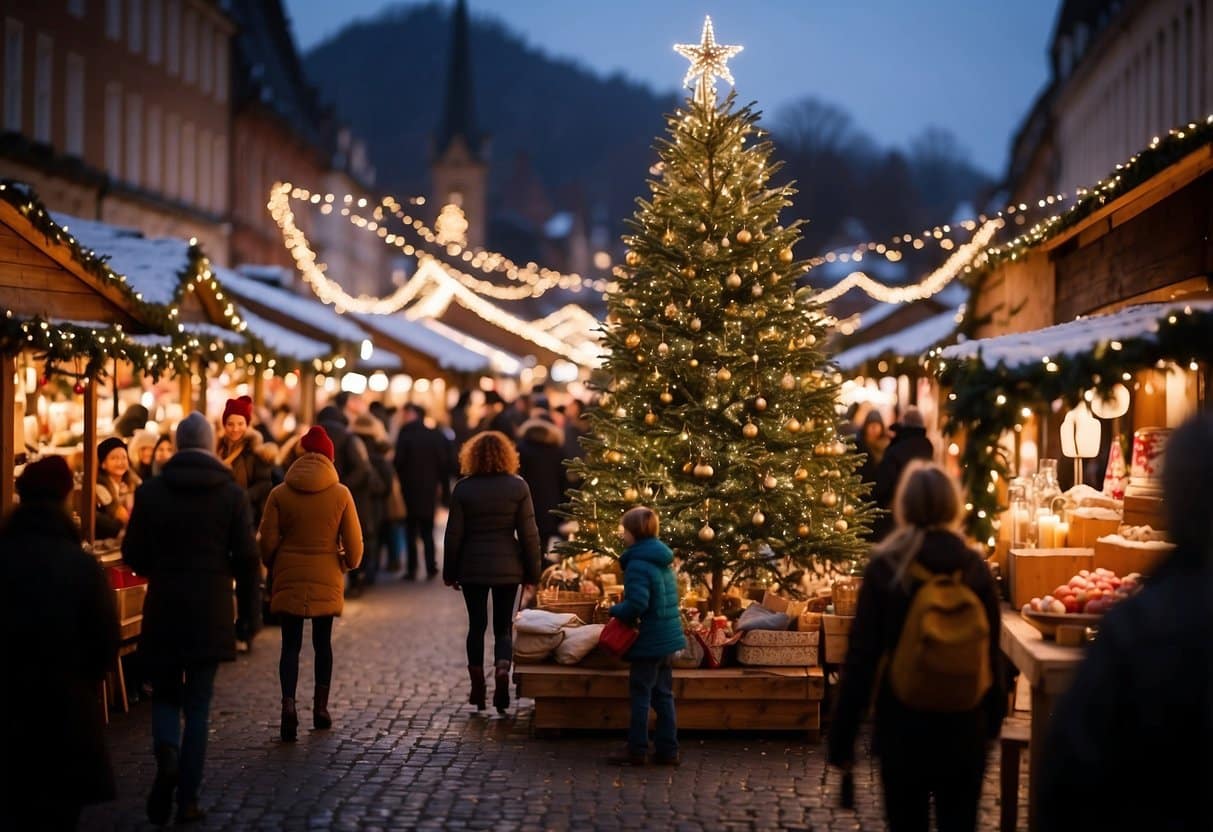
column 937, row 707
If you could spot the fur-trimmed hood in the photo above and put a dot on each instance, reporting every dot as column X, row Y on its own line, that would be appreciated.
column 254, row 443
column 542, row 432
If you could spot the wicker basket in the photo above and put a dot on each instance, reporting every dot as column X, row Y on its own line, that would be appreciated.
column 580, row 604
column 846, row 597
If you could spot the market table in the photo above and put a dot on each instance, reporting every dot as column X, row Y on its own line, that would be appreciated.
column 1049, row 670
column 737, row 698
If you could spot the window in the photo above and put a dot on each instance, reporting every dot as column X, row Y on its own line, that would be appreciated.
column 113, row 129
column 73, row 106
column 44, row 67
column 134, row 139
column 222, row 57
column 113, row 19
column 189, row 48
column 154, row 140
column 172, row 155
column 134, row 26
column 155, row 31
column 206, row 55
column 219, row 192
column 189, row 162
column 14, row 34
column 172, row 36
column 75, row 8
column 204, row 169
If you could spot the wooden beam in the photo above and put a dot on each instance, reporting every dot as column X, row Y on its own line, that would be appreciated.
column 258, row 385
column 8, row 431
column 307, row 396
column 88, row 494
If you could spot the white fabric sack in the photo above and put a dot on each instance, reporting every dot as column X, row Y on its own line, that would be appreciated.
column 578, row 643
column 536, row 647
column 543, row 622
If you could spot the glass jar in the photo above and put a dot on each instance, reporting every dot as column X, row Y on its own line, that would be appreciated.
column 1021, row 514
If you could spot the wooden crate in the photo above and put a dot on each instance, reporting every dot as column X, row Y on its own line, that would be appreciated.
column 1145, row 511
column 130, row 600
column 1124, row 560
column 1084, row 531
column 835, row 645
column 1037, row 572
column 735, row 698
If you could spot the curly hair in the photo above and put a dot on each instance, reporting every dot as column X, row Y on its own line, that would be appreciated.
column 490, row 452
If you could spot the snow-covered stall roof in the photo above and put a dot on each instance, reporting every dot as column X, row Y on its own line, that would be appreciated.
column 913, row 340
column 153, row 267
column 285, row 342
column 309, row 311
column 1076, row 337
column 416, row 334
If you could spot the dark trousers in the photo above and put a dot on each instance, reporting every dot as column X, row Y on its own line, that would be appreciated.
column 651, row 685
column 476, row 597
column 184, row 694
column 368, row 570
column 391, row 535
column 292, row 644
column 422, row 527
column 920, row 761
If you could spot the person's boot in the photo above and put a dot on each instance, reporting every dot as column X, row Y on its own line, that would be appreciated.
column 190, row 813
column 160, row 800
column 501, row 692
column 477, row 697
column 627, row 757
column 321, row 720
column 289, row 729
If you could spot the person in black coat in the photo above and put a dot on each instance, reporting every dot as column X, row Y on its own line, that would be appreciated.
column 61, row 635
column 491, row 546
column 921, row 753
column 190, row 535
column 374, row 437
column 1135, row 728
column 541, row 458
column 354, row 469
column 909, row 443
column 423, row 463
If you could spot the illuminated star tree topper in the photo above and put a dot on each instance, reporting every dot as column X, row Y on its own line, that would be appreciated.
column 709, row 61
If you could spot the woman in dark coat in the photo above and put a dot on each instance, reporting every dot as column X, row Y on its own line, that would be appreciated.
column 921, row 753
column 423, row 463
column 190, row 535
column 491, row 546
column 541, row 463
column 61, row 635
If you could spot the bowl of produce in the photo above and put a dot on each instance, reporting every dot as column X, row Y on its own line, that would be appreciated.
column 1080, row 602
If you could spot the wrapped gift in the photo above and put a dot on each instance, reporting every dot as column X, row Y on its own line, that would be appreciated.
column 778, row 648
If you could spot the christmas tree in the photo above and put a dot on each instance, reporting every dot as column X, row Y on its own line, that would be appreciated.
column 719, row 407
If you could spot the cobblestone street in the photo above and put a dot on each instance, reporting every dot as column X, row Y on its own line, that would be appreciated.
column 404, row 753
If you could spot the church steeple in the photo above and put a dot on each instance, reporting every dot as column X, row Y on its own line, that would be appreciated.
column 459, row 169
column 459, row 111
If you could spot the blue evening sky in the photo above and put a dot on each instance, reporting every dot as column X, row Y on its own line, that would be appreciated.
column 898, row 66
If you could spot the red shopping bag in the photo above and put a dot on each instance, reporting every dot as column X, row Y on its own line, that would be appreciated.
column 617, row 638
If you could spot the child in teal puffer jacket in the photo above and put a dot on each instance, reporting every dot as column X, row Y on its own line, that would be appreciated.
column 650, row 596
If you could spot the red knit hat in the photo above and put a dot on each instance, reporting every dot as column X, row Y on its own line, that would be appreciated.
column 316, row 441
column 242, row 406
column 47, row 480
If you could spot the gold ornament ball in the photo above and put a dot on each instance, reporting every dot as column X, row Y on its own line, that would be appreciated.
column 750, row 430
column 819, row 450
column 733, row 281
column 788, row 382
column 631, row 495
column 840, row 525
column 666, row 397
column 632, row 258
column 614, row 457
column 688, row 272
column 756, row 291
column 803, row 530
column 696, row 324
column 702, row 228
column 840, row 448
column 621, row 413
column 848, row 510
column 724, row 242
column 744, row 236
column 801, row 475
column 769, row 482
column 759, row 518
column 785, row 255
column 707, row 534
column 694, row 362
column 792, row 425
column 686, row 469
column 829, row 499
column 632, row 341
column 650, row 418
column 663, row 349
column 760, row 403
column 640, row 358
column 671, row 311
column 723, row 374
column 704, row 471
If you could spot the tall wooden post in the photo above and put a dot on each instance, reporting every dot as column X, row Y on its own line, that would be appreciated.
column 202, row 385
column 307, row 396
column 185, row 386
column 88, row 498
column 8, row 430
column 258, row 385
